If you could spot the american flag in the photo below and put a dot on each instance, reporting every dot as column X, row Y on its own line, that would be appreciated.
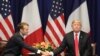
column 55, row 28
column 6, row 22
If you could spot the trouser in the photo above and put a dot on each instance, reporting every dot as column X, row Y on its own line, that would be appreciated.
column 8, row 54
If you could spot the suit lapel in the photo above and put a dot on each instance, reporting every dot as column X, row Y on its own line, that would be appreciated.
column 80, row 40
column 20, row 36
column 72, row 39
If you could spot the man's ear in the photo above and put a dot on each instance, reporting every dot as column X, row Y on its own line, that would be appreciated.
column 21, row 30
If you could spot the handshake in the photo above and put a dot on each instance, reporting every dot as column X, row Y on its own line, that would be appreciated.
column 46, row 53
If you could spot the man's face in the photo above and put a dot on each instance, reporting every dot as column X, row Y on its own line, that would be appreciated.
column 76, row 26
column 25, row 29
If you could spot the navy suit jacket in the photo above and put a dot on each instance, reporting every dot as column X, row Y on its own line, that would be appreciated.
column 15, row 45
column 68, row 43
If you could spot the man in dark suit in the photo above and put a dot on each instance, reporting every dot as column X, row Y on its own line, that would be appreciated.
column 81, row 48
column 16, row 42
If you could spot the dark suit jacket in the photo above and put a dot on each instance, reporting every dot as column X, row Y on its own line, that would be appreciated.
column 15, row 45
column 68, row 43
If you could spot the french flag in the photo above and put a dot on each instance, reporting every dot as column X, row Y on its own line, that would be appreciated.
column 31, row 16
column 79, row 11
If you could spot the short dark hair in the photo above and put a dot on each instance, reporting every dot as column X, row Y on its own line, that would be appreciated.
column 20, row 25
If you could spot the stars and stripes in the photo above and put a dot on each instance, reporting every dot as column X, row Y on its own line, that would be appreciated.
column 6, row 21
column 55, row 28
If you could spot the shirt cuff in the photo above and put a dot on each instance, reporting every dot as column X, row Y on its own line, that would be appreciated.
column 39, row 51
column 52, row 54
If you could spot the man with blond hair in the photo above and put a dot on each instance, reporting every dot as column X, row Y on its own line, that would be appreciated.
column 76, row 42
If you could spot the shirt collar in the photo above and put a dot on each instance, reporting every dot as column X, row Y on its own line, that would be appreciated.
column 24, row 36
column 77, row 33
column 21, row 34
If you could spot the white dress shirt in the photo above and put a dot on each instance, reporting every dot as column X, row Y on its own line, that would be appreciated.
column 77, row 35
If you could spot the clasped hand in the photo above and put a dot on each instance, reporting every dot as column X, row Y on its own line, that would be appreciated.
column 46, row 53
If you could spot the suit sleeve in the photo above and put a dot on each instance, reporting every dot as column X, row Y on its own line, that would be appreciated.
column 61, row 47
column 88, row 50
column 21, row 43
